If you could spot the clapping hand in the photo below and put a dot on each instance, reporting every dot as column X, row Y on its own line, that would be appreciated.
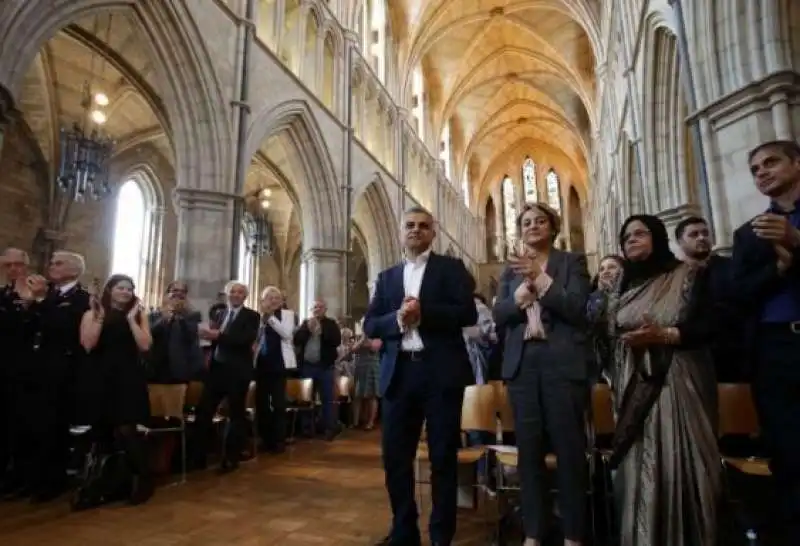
column 136, row 312
column 525, row 265
column 647, row 334
column 777, row 229
column 37, row 286
column 409, row 312
column 785, row 258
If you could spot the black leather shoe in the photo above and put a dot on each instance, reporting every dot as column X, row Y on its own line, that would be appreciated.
column 389, row 541
column 228, row 466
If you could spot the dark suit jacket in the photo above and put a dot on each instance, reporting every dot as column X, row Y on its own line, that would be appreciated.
column 331, row 338
column 755, row 277
column 446, row 306
column 563, row 316
column 236, row 342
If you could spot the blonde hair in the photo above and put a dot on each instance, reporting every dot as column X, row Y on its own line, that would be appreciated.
column 271, row 290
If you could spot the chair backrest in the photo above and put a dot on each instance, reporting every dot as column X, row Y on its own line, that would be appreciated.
column 737, row 411
column 344, row 386
column 167, row 401
column 300, row 390
column 193, row 393
column 602, row 410
column 479, row 409
column 503, row 405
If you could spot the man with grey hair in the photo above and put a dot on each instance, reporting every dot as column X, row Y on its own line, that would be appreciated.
column 57, row 309
column 232, row 334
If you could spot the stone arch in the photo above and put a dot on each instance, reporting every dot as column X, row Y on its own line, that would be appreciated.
column 321, row 202
column 191, row 90
column 664, row 128
column 378, row 226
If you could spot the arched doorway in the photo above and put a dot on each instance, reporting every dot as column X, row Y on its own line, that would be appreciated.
column 575, row 221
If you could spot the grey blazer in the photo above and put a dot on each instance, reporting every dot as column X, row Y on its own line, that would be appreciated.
column 563, row 316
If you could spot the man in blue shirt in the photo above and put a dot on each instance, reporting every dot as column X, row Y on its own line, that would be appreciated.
column 766, row 279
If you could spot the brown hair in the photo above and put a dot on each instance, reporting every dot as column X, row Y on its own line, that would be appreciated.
column 114, row 280
column 553, row 217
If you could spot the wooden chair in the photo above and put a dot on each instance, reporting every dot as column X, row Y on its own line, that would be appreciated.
column 738, row 416
column 167, row 403
column 299, row 398
column 478, row 413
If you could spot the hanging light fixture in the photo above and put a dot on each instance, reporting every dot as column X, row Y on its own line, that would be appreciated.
column 85, row 152
column 257, row 226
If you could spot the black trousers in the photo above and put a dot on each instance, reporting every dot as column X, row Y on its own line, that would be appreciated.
column 776, row 389
column 548, row 406
column 271, row 407
column 43, row 437
column 223, row 383
column 411, row 399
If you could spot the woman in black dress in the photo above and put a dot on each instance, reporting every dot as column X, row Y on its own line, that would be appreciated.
column 115, row 332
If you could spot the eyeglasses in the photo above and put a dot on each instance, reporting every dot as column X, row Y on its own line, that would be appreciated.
column 417, row 225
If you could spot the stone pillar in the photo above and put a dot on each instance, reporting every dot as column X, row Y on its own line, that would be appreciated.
column 203, row 254
column 322, row 277
column 155, row 281
column 738, row 109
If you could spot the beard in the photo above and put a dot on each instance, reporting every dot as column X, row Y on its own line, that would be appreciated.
column 699, row 255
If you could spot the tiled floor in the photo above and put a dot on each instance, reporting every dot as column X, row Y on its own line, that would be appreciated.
column 319, row 494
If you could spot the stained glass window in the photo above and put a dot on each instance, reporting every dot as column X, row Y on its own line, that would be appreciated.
column 553, row 191
column 509, row 212
column 529, row 181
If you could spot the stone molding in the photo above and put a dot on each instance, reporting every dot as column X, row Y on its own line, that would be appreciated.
column 758, row 95
column 195, row 198
column 322, row 254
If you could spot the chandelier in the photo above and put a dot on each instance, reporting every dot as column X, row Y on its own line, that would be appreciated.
column 85, row 152
column 259, row 235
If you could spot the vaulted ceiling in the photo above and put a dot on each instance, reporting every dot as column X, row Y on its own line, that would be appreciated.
column 504, row 72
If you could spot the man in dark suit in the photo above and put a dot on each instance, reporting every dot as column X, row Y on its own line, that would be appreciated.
column 48, row 383
column 766, row 275
column 694, row 238
column 232, row 334
column 418, row 310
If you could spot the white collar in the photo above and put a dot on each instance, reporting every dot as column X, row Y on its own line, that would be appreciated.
column 421, row 259
column 64, row 288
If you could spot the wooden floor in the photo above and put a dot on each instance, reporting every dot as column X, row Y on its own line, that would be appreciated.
column 319, row 493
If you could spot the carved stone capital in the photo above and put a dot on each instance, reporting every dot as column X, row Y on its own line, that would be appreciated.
column 351, row 37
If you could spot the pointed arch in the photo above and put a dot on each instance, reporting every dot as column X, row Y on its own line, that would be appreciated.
column 191, row 89
column 383, row 238
column 317, row 187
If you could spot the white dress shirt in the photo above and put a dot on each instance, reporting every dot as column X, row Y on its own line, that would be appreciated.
column 63, row 289
column 413, row 271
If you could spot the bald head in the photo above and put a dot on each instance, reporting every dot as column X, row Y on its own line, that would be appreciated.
column 15, row 264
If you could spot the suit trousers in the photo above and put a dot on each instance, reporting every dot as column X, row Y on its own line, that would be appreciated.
column 548, row 406
column 223, row 383
column 413, row 397
column 776, row 390
column 271, row 407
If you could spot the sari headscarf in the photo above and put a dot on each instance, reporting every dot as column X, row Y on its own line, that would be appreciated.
column 660, row 260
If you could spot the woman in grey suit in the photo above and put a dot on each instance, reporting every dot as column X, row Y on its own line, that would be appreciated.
column 541, row 305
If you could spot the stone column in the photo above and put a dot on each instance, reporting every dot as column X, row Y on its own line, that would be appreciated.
column 738, row 109
column 155, row 281
column 204, row 237
column 322, row 271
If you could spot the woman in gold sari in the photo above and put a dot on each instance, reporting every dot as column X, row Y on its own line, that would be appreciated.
column 660, row 318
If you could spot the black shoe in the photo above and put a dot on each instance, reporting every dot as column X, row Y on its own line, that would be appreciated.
column 228, row 466
column 142, row 489
column 42, row 497
column 389, row 541
column 19, row 493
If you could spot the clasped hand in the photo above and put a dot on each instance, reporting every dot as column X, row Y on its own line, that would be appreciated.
column 648, row 333
column 777, row 229
column 409, row 311
column 525, row 265
column 208, row 333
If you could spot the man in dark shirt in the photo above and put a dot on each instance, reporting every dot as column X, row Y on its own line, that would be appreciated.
column 766, row 275
column 694, row 238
